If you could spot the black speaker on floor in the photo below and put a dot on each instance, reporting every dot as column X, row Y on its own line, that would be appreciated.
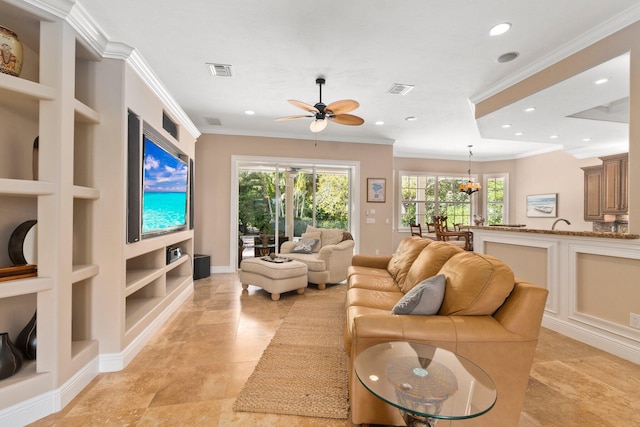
column 201, row 266
column 134, row 223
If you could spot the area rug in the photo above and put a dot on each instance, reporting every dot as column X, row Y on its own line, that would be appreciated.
column 303, row 370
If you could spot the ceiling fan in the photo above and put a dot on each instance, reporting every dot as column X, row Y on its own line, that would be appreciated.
column 321, row 113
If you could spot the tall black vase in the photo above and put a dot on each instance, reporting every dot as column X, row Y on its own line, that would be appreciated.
column 26, row 341
column 10, row 357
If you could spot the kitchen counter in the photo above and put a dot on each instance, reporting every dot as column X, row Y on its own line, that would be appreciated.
column 521, row 229
column 589, row 275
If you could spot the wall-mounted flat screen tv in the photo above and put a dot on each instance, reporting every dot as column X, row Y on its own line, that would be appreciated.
column 164, row 190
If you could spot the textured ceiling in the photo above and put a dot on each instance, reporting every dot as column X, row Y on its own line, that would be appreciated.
column 277, row 49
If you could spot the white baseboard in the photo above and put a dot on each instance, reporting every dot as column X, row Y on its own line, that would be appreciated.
column 223, row 269
column 112, row 362
column 594, row 337
column 40, row 406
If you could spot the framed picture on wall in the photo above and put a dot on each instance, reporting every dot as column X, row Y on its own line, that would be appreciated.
column 376, row 190
column 542, row 205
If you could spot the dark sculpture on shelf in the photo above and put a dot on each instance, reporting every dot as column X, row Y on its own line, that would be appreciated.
column 10, row 357
column 26, row 341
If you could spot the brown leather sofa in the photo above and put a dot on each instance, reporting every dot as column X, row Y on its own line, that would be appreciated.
column 487, row 316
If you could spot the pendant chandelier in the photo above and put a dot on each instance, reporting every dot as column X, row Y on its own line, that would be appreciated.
column 469, row 187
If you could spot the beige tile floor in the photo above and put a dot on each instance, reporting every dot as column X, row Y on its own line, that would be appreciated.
column 191, row 371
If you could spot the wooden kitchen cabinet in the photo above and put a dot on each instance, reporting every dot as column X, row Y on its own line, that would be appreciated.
column 606, row 187
column 593, row 193
column 615, row 184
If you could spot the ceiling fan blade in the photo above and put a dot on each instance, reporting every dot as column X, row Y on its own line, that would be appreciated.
column 344, row 106
column 305, row 107
column 347, row 119
column 283, row 119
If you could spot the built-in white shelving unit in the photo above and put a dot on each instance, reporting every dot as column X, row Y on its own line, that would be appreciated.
column 41, row 102
column 94, row 294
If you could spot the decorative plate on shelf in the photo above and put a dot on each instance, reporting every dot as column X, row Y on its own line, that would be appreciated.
column 23, row 244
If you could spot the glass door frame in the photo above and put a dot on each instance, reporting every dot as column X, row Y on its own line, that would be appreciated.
column 280, row 163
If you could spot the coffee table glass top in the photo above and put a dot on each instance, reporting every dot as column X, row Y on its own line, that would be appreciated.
column 425, row 381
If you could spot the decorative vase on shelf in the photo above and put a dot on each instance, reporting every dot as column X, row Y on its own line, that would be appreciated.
column 35, row 159
column 10, row 52
column 26, row 341
column 10, row 357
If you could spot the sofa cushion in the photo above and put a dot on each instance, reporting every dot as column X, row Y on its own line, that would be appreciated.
column 350, row 316
column 304, row 246
column 425, row 298
column 314, row 263
column 428, row 263
column 328, row 236
column 367, row 271
column 382, row 300
column 375, row 283
column 315, row 235
column 407, row 252
column 477, row 284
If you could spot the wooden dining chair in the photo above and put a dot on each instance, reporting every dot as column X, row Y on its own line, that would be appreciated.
column 416, row 229
column 443, row 234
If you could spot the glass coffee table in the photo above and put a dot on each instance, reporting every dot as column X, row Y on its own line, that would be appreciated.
column 426, row 383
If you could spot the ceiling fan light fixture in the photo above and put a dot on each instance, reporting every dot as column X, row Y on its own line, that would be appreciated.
column 318, row 125
column 321, row 113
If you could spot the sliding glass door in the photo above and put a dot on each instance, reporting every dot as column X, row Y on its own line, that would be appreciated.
column 277, row 200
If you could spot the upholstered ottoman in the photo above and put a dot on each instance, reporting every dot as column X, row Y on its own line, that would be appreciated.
column 273, row 277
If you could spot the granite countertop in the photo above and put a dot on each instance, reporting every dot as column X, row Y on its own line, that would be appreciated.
column 517, row 228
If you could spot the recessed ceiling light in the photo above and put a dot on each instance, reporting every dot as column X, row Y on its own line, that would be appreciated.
column 530, row 109
column 379, row 123
column 601, row 81
column 554, row 136
column 502, row 28
column 506, row 126
column 586, row 139
column 249, row 113
column 411, row 118
column 519, row 133
column 508, row 57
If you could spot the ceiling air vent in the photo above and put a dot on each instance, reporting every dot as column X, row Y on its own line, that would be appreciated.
column 213, row 121
column 219, row 70
column 400, row 89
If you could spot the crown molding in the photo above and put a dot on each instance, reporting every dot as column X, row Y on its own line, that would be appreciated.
column 129, row 54
column 91, row 34
column 598, row 33
column 88, row 29
column 477, row 159
column 51, row 8
column 309, row 136
column 607, row 150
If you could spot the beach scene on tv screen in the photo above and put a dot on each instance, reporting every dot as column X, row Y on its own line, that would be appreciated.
column 164, row 200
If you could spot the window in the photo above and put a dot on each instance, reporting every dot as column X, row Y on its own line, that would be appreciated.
column 496, row 187
column 317, row 195
column 424, row 195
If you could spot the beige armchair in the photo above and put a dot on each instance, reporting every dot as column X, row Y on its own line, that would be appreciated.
column 328, row 263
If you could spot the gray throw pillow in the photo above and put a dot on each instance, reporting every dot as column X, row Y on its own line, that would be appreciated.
column 304, row 246
column 425, row 298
